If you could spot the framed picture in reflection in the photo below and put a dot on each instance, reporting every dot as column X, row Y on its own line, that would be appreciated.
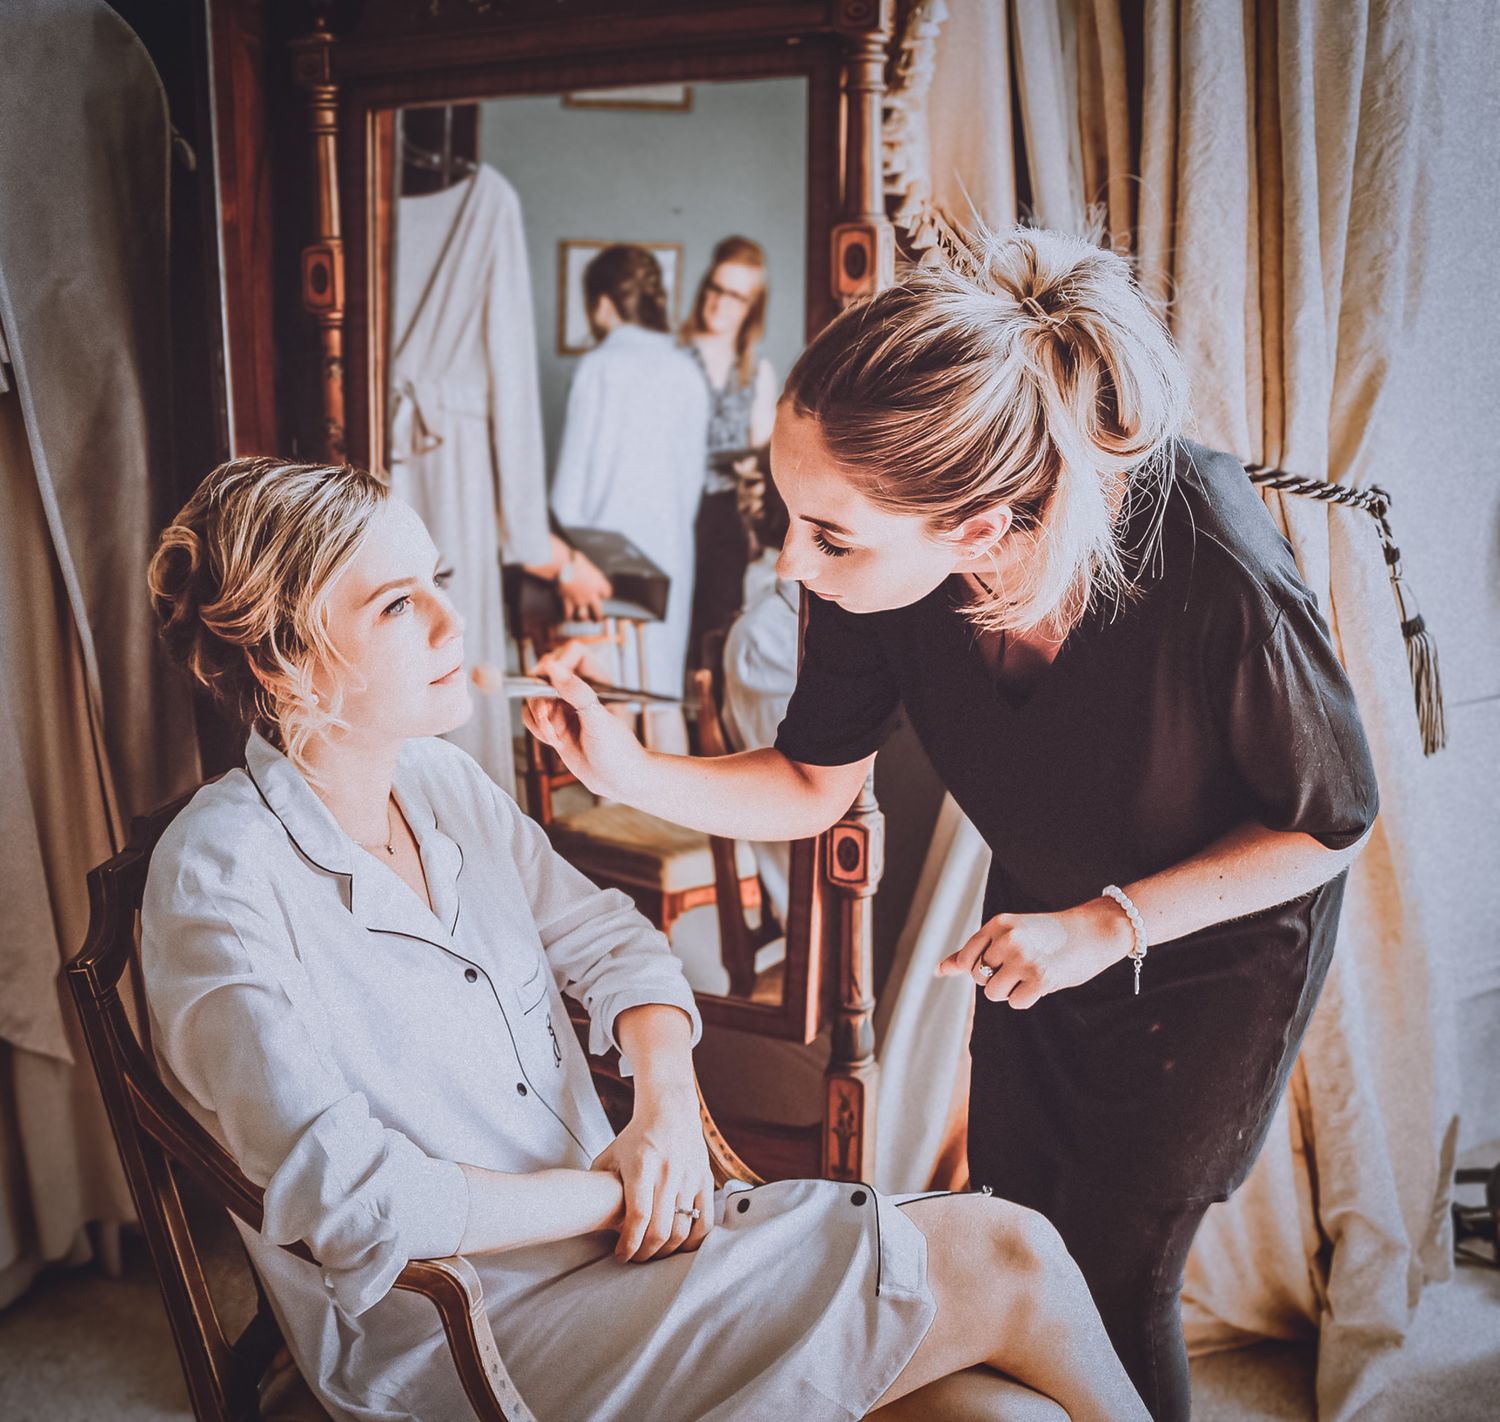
column 573, row 334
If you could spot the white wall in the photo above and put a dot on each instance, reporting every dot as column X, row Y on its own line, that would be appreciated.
column 734, row 164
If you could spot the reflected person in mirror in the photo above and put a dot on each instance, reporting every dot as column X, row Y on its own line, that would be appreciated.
column 1105, row 645
column 723, row 335
column 355, row 951
column 632, row 455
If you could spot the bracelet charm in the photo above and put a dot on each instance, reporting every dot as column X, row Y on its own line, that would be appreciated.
column 1137, row 928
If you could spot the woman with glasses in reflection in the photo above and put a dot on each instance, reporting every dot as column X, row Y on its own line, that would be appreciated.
column 723, row 335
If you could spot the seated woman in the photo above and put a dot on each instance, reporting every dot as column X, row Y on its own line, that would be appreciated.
column 355, row 951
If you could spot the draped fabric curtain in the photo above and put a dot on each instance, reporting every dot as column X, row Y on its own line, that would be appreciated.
column 1286, row 211
column 91, row 731
column 1268, row 174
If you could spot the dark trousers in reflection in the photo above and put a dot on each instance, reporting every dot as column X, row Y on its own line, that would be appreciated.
column 722, row 556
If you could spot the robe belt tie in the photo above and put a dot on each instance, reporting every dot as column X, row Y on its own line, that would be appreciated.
column 418, row 408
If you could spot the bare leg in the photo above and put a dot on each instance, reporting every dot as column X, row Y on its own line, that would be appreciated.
column 1009, row 1295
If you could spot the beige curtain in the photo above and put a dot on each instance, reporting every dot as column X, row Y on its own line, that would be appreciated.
column 1281, row 205
column 922, row 1021
column 58, row 1167
column 949, row 140
column 91, row 731
column 1286, row 211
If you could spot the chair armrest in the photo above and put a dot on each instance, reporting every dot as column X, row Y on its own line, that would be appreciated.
column 453, row 1285
column 454, row 1288
column 722, row 1160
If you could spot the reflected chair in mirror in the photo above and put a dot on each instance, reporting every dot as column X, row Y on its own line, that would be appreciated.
column 792, row 1069
column 742, row 942
column 782, row 1098
column 667, row 870
column 164, row 1149
column 543, row 772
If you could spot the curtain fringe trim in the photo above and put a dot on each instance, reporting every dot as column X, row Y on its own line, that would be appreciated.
column 906, row 157
column 1421, row 648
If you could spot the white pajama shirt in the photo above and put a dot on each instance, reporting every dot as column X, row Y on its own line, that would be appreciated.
column 351, row 1047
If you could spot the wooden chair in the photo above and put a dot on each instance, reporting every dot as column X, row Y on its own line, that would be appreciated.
column 251, row 1378
column 160, row 1142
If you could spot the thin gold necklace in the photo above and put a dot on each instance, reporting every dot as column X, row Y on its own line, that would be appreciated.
column 390, row 843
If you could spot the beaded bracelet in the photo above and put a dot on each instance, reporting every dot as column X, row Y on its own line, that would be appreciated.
column 1137, row 928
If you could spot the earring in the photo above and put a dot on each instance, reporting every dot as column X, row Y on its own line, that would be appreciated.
column 313, row 698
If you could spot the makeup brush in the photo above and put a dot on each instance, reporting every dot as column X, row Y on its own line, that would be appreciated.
column 490, row 679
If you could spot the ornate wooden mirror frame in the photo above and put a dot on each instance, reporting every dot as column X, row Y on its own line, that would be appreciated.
column 357, row 67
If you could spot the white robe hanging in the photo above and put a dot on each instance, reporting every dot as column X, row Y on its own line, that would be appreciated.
column 633, row 450
column 466, row 426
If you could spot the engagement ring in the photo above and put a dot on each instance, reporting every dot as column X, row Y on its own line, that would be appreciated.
column 692, row 1214
column 985, row 972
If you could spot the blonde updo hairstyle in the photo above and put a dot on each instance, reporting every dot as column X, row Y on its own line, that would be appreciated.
column 1035, row 375
column 241, row 582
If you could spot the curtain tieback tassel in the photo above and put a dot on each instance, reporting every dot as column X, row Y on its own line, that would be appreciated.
column 1421, row 649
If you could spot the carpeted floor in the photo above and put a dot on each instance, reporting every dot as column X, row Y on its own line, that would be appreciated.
column 83, row 1348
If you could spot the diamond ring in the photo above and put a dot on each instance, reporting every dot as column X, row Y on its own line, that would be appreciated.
column 985, row 972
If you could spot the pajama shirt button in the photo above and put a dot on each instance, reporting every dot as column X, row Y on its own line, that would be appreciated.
column 520, row 1088
column 742, row 1206
column 470, row 975
column 858, row 1197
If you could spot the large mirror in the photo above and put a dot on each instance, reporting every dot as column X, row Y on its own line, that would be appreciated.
column 594, row 296
column 581, row 306
column 519, row 270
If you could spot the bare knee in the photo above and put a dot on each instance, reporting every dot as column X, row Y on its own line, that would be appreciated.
column 1024, row 1242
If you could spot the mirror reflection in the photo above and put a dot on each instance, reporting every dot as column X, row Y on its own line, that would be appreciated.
column 594, row 299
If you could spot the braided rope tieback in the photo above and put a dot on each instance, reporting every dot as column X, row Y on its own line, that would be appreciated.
column 1421, row 650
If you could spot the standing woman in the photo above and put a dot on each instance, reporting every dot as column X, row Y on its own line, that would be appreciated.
column 723, row 335
column 1105, row 646
column 631, row 458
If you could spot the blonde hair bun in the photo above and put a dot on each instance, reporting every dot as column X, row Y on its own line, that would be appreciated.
column 240, row 583
column 1082, row 308
column 1032, row 373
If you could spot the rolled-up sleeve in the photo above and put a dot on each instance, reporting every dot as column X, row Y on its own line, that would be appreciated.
column 601, row 949
column 1289, row 718
column 232, row 1023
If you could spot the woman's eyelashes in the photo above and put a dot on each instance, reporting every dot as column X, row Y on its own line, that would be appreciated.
column 833, row 550
column 440, row 581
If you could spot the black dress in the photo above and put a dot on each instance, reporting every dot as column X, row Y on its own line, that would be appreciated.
column 1209, row 698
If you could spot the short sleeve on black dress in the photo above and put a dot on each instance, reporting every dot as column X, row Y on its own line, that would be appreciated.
column 1294, row 732
column 847, row 701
